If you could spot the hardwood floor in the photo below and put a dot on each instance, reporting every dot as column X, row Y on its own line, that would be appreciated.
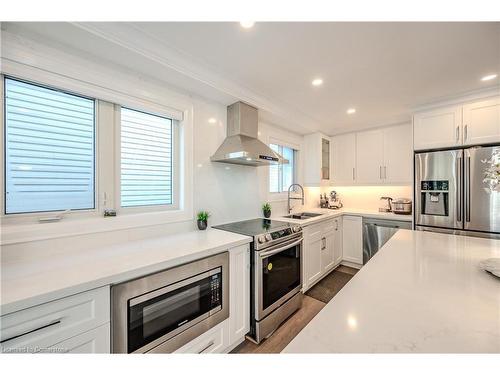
column 286, row 332
column 293, row 325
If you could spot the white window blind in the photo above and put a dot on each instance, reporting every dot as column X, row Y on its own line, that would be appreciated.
column 281, row 176
column 49, row 149
column 146, row 159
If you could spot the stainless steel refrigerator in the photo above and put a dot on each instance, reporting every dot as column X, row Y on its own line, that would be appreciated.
column 456, row 191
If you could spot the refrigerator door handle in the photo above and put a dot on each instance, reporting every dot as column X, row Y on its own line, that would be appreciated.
column 467, row 187
column 459, row 188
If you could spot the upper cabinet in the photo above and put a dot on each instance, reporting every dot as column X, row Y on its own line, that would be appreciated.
column 344, row 159
column 398, row 154
column 470, row 124
column 481, row 122
column 380, row 156
column 438, row 128
column 317, row 159
column 369, row 156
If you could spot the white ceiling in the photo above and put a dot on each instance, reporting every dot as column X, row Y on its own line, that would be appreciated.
column 384, row 70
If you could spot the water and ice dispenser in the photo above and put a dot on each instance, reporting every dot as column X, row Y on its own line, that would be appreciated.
column 435, row 197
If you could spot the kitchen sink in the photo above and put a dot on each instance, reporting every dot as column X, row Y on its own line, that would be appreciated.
column 302, row 215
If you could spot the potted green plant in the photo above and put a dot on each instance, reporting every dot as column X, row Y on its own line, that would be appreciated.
column 202, row 220
column 266, row 209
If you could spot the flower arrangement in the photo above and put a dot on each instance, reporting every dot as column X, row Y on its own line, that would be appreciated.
column 492, row 173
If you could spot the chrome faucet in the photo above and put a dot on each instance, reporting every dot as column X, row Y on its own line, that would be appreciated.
column 289, row 197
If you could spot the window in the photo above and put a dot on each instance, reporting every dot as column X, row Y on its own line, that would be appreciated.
column 49, row 149
column 281, row 176
column 146, row 159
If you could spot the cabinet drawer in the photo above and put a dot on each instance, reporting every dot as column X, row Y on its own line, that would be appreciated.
column 97, row 340
column 213, row 341
column 46, row 325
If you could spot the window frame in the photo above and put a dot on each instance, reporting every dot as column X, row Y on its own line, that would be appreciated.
column 21, row 217
column 176, row 175
column 282, row 195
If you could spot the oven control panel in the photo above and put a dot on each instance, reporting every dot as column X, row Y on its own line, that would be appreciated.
column 282, row 233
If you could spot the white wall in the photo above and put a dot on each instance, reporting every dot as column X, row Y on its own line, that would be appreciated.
column 366, row 197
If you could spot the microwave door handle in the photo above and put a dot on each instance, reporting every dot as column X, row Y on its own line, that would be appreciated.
column 268, row 253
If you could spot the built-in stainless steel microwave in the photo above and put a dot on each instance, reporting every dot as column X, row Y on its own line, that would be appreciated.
column 161, row 312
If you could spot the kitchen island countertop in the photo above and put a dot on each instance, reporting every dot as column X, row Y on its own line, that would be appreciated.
column 422, row 292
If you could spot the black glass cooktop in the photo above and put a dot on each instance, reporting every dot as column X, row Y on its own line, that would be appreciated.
column 254, row 227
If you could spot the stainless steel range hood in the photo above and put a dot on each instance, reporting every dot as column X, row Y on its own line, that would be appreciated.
column 241, row 145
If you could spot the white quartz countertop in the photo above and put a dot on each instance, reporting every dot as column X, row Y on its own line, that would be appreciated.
column 422, row 292
column 27, row 283
column 329, row 213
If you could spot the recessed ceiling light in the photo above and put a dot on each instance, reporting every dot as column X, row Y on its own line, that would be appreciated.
column 247, row 24
column 317, row 82
column 350, row 111
column 211, row 120
column 489, row 77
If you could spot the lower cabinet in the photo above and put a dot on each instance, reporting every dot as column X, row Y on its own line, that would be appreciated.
column 322, row 250
column 352, row 239
column 76, row 323
column 93, row 341
column 215, row 340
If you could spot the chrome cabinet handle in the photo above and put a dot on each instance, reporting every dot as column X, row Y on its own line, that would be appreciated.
column 457, row 132
column 465, row 132
column 210, row 344
column 385, row 172
column 353, row 176
column 32, row 330
column 336, row 225
column 380, row 172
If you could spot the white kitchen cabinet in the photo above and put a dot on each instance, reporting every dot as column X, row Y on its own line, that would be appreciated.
column 398, row 154
column 337, row 241
column 322, row 250
column 327, row 251
column 352, row 239
column 481, row 122
column 382, row 156
column 438, row 128
column 344, row 159
column 317, row 149
column 215, row 340
column 45, row 325
column 369, row 156
column 311, row 254
column 94, row 341
column 239, row 299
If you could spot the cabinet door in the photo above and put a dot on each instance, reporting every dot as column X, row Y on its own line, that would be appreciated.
column 352, row 239
column 325, row 159
column 239, row 299
column 482, row 122
column 369, row 156
column 327, row 252
column 337, row 241
column 344, row 159
column 438, row 128
column 93, row 341
column 311, row 254
column 398, row 154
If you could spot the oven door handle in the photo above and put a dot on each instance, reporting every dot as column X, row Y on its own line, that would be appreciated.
column 268, row 253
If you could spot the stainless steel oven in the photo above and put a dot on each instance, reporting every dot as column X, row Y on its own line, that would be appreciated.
column 275, row 277
column 161, row 312
column 277, row 284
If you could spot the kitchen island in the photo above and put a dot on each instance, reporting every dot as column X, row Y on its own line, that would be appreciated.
column 422, row 292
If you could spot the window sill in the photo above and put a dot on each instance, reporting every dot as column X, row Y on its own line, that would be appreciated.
column 67, row 227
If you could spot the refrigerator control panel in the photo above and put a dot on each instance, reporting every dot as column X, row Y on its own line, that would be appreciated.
column 436, row 185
